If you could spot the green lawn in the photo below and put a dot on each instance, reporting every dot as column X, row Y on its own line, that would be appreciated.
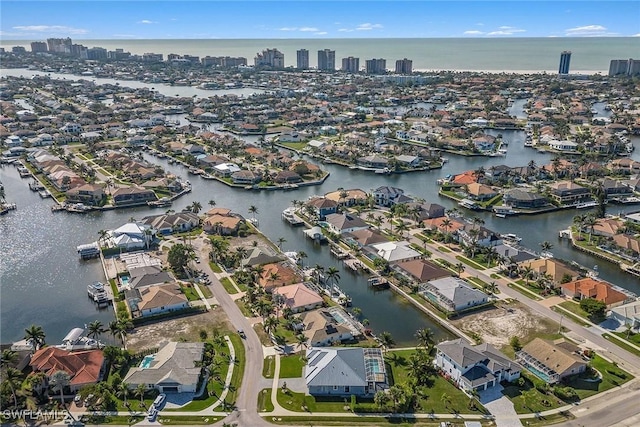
column 291, row 366
column 216, row 381
column 268, row 367
column 238, row 371
column 633, row 337
column 228, row 286
column 215, row 267
column 470, row 263
column 294, row 145
column 523, row 291
column 294, row 402
column 205, row 290
column 571, row 316
column 190, row 293
column 574, row 308
column 306, row 420
column 533, row 400
column 621, row 344
column 243, row 308
column 188, row 420
column 264, row 401
column 443, row 249
column 430, row 396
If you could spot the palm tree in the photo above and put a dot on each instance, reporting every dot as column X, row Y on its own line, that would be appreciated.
column 253, row 210
column 270, row 324
column 36, row 335
column 281, row 240
column 425, row 337
column 390, row 215
column 301, row 340
column 122, row 391
column 333, row 275
column 212, row 203
column 478, row 222
column 102, row 236
column 13, row 378
column 301, row 256
column 590, row 221
column 140, row 391
column 578, row 221
column 402, row 227
column 446, row 399
column 546, row 246
column 59, row 380
column 7, row 358
column 459, row 268
column 386, row 339
column 196, row 207
column 446, row 224
column 527, row 273
column 96, row 328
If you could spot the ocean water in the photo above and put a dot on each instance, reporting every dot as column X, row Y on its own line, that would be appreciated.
column 590, row 55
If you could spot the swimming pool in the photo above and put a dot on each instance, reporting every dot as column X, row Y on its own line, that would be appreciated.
column 146, row 362
column 124, row 280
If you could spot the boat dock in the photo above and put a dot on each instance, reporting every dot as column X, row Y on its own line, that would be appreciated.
column 100, row 294
column 378, row 282
column 88, row 251
column 338, row 253
column 315, row 233
column 5, row 208
column 354, row 264
column 290, row 216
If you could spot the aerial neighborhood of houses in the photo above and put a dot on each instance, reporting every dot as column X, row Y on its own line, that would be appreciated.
column 214, row 319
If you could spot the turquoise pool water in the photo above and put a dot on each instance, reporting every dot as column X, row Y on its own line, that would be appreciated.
column 146, row 362
column 124, row 280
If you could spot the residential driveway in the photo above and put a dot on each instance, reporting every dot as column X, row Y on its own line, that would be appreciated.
column 299, row 385
column 500, row 407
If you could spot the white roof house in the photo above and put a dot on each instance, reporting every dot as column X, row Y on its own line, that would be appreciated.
column 395, row 251
column 453, row 294
column 130, row 236
column 226, row 169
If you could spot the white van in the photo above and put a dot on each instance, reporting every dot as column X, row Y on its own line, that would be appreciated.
column 159, row 400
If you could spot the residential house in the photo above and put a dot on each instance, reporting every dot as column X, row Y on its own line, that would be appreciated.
column 627, row 314
column 421, row 270
column 476, row 367
column 321, row 328
column 89, row 194
column 226, row 169
column 564, row 146
column 147, row 275
column 345, row 372
column 341, row 223
column 477, row 191
column 298, row 297
column 322, row 207
column 438, row 224
column 614, row 189
column 568, row 192
column 130, row 236
column 245, row 177
column 408, row 161
column 624, row 165
column 131, row 196
column 392, row 252
column 224, row 225
column 453, row 294
column 551, row 360
column 556, row 270
column 156, row 299
column 596, row 289
column 172, row 223
column 175, row 368
column 276, row 275
column 365, row 237
column 387, row 196
column 426, row 210
column 348, row 198
column 607, row 227
column 523, row 199
column 287, row 177
column 83, row 367
column 373, row 161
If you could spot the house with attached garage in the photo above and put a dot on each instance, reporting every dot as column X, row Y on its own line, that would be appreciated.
column 345, row 371
column 476, row 367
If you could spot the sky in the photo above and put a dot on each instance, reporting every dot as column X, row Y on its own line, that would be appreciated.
column 85, row 20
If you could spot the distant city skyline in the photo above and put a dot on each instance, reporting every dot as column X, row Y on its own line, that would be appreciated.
column 38, row 20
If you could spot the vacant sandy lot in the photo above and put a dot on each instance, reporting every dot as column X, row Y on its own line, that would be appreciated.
column 497, row 326
column 184, row 328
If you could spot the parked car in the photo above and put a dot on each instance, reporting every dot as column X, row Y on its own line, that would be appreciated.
column 153, row 413
column 78, row 400
column 88, row 400
column 159, row 401
column 241, row 333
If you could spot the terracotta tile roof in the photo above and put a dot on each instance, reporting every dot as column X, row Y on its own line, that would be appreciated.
column 596, row 289
column 83, row 366
column 286, row 275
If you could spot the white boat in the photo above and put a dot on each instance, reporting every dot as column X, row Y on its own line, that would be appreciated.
column 469, row 204
column 585, row 205
column 98, row 293
column 385, row 171
column 511, row 237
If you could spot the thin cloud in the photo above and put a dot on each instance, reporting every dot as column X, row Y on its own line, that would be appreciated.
column 51, row 29
column 506, row 30
column 309, row 29
column 587, row 30
column 288, row 29
column 635, row 35
column 473, row 33
column 147, row 22
column 320, row 33
column 345, row 30
column 367, row 26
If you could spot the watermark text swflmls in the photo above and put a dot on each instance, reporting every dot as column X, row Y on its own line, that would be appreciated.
column 31, row 415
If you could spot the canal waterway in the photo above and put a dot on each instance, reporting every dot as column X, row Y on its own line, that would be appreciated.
column 42, row 281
